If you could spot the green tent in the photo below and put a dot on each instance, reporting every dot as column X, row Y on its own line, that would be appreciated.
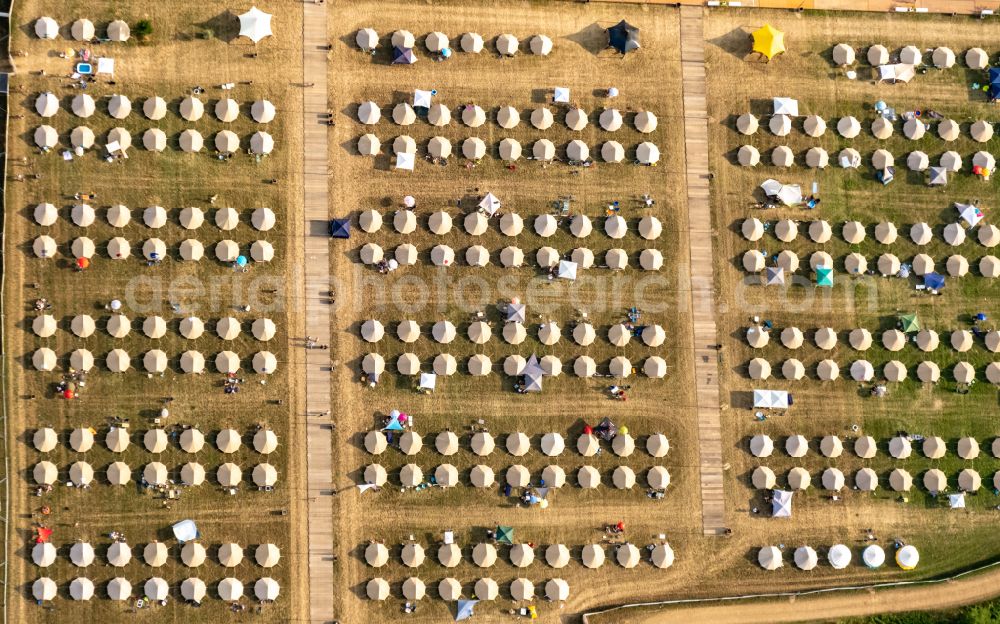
column 505, row 535
column 909, row 323
column 824, row 276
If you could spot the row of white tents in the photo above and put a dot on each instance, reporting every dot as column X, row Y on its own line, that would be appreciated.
column 485, row 555
column 850, row 158
column 450, row 589
column 154, row 140
column 81, row 473
column 480, row 365
column 480, row 332
column 154, row 361
column 860, row 339
column 838, row 556
column 881, row 128
column 118, row 439
column 941, row 57
column 887, row 265
column 854, row 232
column 507, row 117
column 227, row 110
column 254, row 24
column 192, row 554
column 616, row 259
column 518, row 476
column 863, row 371
column 404, row 148
column 441, row 222
column 438, row 43
column 155, row 327
column 867, row 480
column 153, row 249
column 510, row 150
column 517, row 444
column 866, row 447
column 155, row 217
column 82, row 29
column 157, row 589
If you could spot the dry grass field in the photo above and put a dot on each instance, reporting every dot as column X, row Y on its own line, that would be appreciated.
column 193, row 44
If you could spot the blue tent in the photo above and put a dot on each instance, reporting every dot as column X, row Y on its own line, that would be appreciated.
column 394, row 425
column 464, row 610
column 934, row 281
column 623, row 37
column 403, row 56
column 824, row 276
column 994, row 89
column 340, row 228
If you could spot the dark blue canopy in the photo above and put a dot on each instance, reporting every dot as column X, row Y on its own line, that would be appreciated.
column 623, row 37
column 994, row 90
column 340, row 228
column 403, row 56
column 934, row 281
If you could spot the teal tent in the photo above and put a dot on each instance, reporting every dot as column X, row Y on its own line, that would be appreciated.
column 505, row 535
column 394, row 425
column 909, row 323
column 464, row 610
column 824, row 276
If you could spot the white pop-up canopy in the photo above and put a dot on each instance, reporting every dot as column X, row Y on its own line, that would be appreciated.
column 405, row 160
column 786, row 106
column 781, row 504
column 422, row 98
column 490, row 204
column 255, row 25
column 561, row 95
column 772, row 399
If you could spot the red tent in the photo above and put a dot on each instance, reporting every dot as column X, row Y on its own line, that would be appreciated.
column 82, row 263
column 44, row 533
column 68, row 394
column 588, row 430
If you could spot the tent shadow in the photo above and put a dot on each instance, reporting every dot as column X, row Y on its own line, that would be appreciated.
column 225, row 26
column 592, row 38
column 736, row 42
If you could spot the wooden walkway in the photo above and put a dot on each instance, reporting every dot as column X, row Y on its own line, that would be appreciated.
column 713, row 508
column 316, row 266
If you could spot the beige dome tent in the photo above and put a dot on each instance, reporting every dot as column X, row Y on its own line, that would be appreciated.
column 763, row 478
column 510, row 150
column 780, row 125
column 761, row 445
column 848, row 127
column 831, row 446
column 900, row 447
column 927, row 340
column 154, row 140
column 817, row 158
column 482, row 443
column 508, row 117
column 377, row 589
column 782, row 156
column 593, row 556
column 403, row 114
column 439, row 147
column 541, row 118
column 261, row 143
column 46, row 137
column 658, row 478
column 46, row 28
column 798, row 479
column 747, row 124
column 119, row 106
column 935, row 481
column 191, row 141
column 843, row 55
column 473, row 115
column 369, row 113
column 948, row 130
column 540, row 45
column 610, row 119
column 368, row 145
column 894, row 371
column 192, row 108
column 917, row 161
column 914, row 129
column 769, row 558
column 517, row 444
column 981, row 131
column 862, row 370
column 227, row 362
column 262, row 111
column 507, row 44
column 473, row 148
column 82, row 137
column 576, row 119
column 833, row 479
column 796, row 446
column 438, row 115
column 83, row 105
column 865, row 447
column 191, row 249
column 747, row 156
column 577, row 151
column 888, row 264
column 192, row 440
column 882, row 159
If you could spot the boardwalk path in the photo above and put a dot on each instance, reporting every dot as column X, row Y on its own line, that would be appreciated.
column 316, row 264
column 713, row 511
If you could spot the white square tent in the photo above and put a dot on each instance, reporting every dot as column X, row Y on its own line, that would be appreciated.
column 561, row 95
column 969, row 213
column 422, row 98
column 566, row 270
column 428, row 381
column 786, row 106
column 781, row 504
column 771, row 399
column 957, row 501
column 900, row 72
column 490, row 204
column 517, row 313
column 405, row 160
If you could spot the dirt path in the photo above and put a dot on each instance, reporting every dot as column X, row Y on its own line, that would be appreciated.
column 820, row 607
column 316, row 264
column 713, row 507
